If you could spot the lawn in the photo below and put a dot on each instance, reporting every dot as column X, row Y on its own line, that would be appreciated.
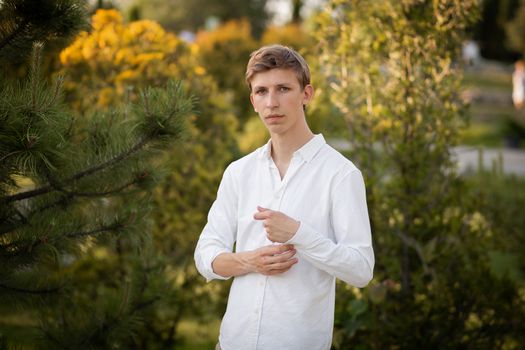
column 494, row 122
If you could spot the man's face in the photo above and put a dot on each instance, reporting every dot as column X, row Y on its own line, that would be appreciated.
column 278, row 99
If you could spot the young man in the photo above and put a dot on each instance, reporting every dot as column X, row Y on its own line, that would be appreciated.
column 295, row 209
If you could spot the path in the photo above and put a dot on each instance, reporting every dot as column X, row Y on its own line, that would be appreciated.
column 468, row 157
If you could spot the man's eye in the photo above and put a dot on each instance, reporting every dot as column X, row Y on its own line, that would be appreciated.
column 260, row 92
column 284, row 88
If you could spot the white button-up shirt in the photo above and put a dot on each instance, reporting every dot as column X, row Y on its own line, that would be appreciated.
column 326, row 193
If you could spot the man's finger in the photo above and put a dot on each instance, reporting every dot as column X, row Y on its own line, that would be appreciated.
column 276, row 249
column 282, row 267
column 285, row 247
column 261, row 215
column 277, row 258
column 259, row 208
column 279, row 249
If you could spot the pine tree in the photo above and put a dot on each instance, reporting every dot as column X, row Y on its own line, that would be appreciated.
column 106, row 72
column 71, row 189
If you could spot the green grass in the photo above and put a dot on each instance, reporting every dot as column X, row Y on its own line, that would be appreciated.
column 482, row 134
column 493, row 118
column 198, row 336
column 195, row 335
column 487, row 79
column 24, row 335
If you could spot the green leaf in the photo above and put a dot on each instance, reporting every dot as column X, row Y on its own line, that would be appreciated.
column 505, row 265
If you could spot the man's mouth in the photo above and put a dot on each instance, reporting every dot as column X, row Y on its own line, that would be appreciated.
column 274, row 116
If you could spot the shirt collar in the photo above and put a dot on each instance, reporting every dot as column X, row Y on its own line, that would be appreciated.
column 266, row 150
column 310, row 149
column 307, row 151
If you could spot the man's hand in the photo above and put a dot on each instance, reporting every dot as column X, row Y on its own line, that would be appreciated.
column 279, row 227
column 272, row 259
column 268, row 260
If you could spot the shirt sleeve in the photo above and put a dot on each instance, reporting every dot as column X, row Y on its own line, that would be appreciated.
column 351, row 257
column 219, row 234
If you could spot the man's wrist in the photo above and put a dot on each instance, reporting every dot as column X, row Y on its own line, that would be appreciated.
column 245, row 260
column 294, row 227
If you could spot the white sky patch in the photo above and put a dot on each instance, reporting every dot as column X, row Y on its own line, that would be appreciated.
column 282, row 9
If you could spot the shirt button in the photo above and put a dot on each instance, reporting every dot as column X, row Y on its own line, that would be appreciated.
column 261, row 283
column 256, row 311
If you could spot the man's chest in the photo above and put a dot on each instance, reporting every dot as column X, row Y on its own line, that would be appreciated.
column 302, row 189
column 302, row 194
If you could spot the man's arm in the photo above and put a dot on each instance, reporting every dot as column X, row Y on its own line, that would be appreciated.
column 351, row 257
column 219, row 234
column 269, row 260
column 213, row 255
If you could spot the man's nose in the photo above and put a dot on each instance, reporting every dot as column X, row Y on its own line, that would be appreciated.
column 272, row 100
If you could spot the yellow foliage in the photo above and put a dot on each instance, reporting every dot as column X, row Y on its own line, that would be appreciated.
column 473, row 322
column 104, row 17
column 479, row 224
column 292, row 35
column 225, row 52
column 232, row 31
column 22, row 182
column 199, row 70
column 126, row 75
column 143, row 58
column 384, row 125
column 253, row 136
column 194, row 49
column 115, row 57
column 100, row 253
column 105, row 97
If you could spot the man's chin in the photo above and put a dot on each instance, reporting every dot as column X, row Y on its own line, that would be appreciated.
column 276, row 129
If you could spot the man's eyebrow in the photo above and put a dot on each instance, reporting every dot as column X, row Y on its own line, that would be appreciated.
column 265, row 87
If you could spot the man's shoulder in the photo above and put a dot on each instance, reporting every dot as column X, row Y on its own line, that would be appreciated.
column 336, row 161
column 245, row 162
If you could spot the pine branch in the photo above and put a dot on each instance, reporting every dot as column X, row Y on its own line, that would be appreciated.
column 27, row 194
column 35, row 72
column 74, row 235
column 100, row 194
column 48, row 188
column 31, row 291
column 56, row 91
column 53, row 339
column 94, row 232
column 145, row 304
column 25, row 220
column 113, row 322
column 17, row 31
column 56, row 185
column 27, row 21
column 414, row 244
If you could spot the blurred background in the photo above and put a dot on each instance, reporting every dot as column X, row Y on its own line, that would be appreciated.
column 425, row 97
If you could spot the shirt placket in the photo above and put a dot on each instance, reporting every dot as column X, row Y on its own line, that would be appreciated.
column 279, row 187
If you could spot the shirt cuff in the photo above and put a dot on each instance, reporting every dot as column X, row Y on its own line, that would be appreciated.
column 304, row 237
column 210, row 274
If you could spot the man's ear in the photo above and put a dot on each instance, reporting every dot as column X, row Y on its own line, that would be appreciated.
column 308, row 94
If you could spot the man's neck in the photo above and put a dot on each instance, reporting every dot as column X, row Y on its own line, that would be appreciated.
column 284, row 145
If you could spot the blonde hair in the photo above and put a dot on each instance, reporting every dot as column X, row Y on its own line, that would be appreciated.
column 274, row 57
